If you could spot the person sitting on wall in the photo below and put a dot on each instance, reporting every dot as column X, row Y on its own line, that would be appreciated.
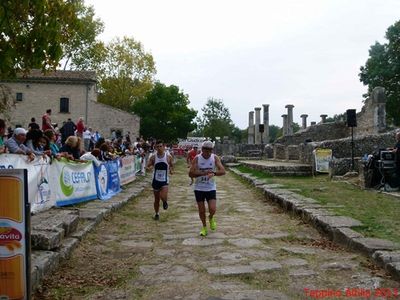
column 37, row 142
column 15, row 144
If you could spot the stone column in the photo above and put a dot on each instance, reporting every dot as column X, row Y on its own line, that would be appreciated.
column 250, row 138
column 289, row 119
column 303, row 121
column 285, row 125
column 379, row 102
column 323, row 118
column 257, row 134
column 313, row 123
column 266, row 123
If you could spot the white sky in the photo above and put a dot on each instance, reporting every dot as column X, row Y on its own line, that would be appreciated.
column 253, row 52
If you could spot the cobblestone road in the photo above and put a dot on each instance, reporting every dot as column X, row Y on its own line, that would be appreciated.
column 257, row 252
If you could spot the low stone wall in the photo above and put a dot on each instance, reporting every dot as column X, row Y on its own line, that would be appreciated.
column 279, row 151
column 293, row 152
column 384, row 253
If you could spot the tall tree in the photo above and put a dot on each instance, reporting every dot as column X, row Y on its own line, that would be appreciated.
column 82, row 47
column 164, row 113
column 125, row 74
column 215, row 120
column 383, row 69
column 32, row 34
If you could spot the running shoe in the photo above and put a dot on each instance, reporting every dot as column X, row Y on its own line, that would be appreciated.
column 165, row 204
column 156, row 217
column 203, row 231
column 213, row 224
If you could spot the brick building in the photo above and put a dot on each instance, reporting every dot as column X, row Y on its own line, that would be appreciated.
column 69, row 94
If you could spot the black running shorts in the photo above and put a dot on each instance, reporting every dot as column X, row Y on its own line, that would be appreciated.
column 158, row 185
column 201, row 196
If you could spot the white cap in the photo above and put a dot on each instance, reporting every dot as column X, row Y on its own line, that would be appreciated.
column 207, row 144
column 19, row 130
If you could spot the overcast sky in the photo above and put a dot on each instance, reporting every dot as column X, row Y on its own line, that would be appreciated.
column 253, row 52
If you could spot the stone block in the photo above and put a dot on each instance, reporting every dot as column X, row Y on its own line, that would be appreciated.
column 66, row 247
column 370, row 245
column 386, row 257
column 54, row 219
column 231, row 270
column 43, row 263
column 46, row 239
column 84, row 230
column 93, row 214
column 328, row 223
column 344, row 236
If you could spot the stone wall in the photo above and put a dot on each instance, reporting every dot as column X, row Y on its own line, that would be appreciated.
column 37, row 97
column 319, row 132
column 106, row 118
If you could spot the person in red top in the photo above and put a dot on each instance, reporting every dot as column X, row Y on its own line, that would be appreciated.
column 191, row 155
column 80, row 127
column 46, row 121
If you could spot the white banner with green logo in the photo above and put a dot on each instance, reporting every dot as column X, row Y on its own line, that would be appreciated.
column 73, row 182
column 39, row 188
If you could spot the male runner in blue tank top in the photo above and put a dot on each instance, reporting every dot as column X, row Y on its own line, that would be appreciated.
column 204, row 167
column 162, row 163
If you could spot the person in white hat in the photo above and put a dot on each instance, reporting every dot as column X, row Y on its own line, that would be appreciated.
column 15, row 144
column 205, row 166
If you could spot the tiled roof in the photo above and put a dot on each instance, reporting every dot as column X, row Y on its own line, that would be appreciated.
column 61, row 75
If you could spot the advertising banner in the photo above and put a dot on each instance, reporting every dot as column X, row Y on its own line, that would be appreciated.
column 72, row 182
column 14, row 235
column 322, row 159
column 39, row 190
column 127, row 169
column 107, row 180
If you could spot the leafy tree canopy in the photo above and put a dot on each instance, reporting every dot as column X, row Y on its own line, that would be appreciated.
column 215, row 120
column 33, row 33
column 164, row 113
column 383, row 69
column 125, row 72
column 83, row 45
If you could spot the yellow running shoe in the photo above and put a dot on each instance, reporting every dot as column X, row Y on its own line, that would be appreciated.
column 203, row 231
column 213, row 224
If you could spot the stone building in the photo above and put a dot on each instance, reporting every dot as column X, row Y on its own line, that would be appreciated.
column 69, row 94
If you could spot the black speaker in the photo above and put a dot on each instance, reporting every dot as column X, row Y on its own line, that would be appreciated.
column 261, row 127
column 351, row 118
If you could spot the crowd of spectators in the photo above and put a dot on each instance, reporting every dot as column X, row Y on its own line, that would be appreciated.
column 72, row 141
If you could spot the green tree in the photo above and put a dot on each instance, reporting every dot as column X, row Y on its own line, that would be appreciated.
column 164, row 113
column 33, row 33
column 215, row 120
column 274, row 133
column 83, row 47
column 125, row 74
column 383, row 69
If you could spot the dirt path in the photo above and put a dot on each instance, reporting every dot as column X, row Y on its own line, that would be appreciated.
column 257, row 252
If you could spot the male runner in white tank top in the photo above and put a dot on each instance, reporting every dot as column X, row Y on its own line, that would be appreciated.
column 162, row 163
column 205, row 166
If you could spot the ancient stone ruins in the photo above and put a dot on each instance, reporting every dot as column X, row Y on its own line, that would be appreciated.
column 370, row 135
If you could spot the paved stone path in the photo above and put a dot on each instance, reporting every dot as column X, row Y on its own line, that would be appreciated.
column 257, row 252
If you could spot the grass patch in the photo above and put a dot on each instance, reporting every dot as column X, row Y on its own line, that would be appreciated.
column 378, row 212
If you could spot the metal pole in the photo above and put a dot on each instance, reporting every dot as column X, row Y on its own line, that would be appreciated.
column 352, row 149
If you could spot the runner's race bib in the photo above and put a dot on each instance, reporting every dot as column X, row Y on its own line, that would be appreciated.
column 161, row 175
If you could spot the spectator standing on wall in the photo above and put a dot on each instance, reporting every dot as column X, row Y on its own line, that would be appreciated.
column 46, row 121
column 80, row 127
column 87, row 135
column 33, row 124
column 67, row 130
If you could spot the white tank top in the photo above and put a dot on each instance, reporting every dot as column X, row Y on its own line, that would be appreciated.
column 203, row 183
column 161, row 168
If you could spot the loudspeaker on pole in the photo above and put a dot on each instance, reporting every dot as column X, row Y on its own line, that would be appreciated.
column 261, row 127
column 351, row 118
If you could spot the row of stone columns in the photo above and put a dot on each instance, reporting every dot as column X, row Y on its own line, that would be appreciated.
column 257, row 137
column 254, row 134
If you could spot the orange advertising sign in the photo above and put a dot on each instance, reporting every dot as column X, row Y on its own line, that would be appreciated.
column 14, row 235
